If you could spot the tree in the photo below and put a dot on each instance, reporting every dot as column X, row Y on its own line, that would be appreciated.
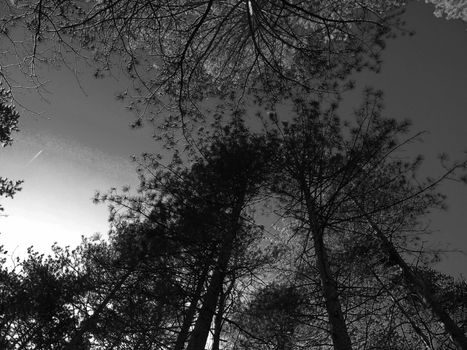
column 182, row 251
column 336, row 183
column 230, row 173
column 353, row 204
column 198, row 216
column 271, row 318
column 87, row 298
column 9, row 118
column 184, row 52
column 380, row 311
column 41, row 300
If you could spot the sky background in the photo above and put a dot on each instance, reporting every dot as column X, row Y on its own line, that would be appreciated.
column 81, row 140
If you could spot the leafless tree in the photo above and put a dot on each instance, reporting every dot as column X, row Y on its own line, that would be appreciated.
column 181, row 52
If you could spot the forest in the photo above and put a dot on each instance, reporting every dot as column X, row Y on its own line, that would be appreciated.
column 272, row 218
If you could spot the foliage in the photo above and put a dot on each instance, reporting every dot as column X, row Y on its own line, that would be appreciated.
column 40, row 304
column 186, row 255
column 181, row 53
column 271, row 318
column 9, row 118
column 88, row 297
column 451, row 9
column 348, row 191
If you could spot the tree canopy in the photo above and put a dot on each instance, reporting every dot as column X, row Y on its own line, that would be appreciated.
column 181, row 52
column 189, row 262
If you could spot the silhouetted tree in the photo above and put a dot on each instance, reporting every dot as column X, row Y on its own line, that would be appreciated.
column 88, row 298
column 41, row 300
column 270, row 319
column 197, row 216
column 186, row 255
column 194, row 49
column 9, row 118
column 337, row 183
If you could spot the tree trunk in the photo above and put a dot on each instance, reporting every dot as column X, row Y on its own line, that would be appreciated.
column 200, row 333
column 216, row 338
column 339, row 334
column 89, row 322
column 423, row 337
column 190, row 314
column 418, row 286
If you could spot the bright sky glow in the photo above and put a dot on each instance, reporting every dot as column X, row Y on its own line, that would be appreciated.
column 79, row 143
column 55, row 203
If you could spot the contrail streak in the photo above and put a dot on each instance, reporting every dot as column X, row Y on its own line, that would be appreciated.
column 35, row 157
